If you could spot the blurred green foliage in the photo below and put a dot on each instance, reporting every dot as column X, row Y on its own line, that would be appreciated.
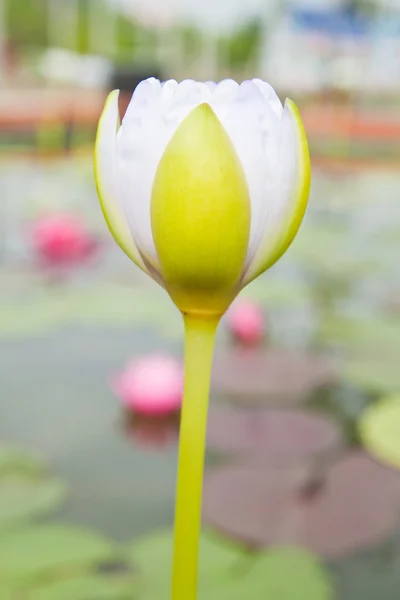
column 27, row 27
column 26, row 22
column 240, row 49
column 191, row 39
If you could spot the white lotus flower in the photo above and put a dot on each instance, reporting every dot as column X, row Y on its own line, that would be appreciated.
column 204, row 185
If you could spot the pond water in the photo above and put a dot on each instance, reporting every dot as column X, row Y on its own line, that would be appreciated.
column 336, row 292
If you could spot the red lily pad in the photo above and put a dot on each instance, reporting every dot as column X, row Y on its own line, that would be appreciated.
column 273, row 375
column 276, row 435
column 355, row 507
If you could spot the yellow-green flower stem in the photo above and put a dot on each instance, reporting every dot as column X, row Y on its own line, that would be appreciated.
column 199, row 347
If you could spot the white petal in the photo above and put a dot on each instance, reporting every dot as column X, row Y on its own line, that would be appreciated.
column 140, row 144
column 144, row 93
column 270, row 95
column 226, row 90
column 106, row 180
column 254, row 130
column 211, row 85
column 286, row 194
column 150, row 122
column 168, row 89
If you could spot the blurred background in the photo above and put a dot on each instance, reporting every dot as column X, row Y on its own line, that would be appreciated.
column 304, row 429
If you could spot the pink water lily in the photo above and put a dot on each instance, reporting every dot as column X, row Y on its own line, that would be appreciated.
column 62, row 240
column 246, row 322
column 152, row 385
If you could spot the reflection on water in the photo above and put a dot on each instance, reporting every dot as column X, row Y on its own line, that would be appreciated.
column 58, row 346
column 61, row 405
column 154, row 433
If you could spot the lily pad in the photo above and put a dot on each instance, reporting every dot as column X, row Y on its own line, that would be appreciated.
column 152, row 555
column 228, row 573
column 155, row 552
column 50, row 549
column 284, row 573
column 278, row 294
column 379, row 428
column 7, row 592
column 316, row 244
column 20, row 320
column 316, row 238
column 107, row 303
column 273, row 375
column 89, row 587
column 119, row 305
column 377, row 373
column 23, row 499
column 378, row 334
column 276, row 436
column 354, row 506
column 16, row 461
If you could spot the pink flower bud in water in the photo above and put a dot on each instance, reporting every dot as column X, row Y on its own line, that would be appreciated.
column 246, row 322
column 62, row 240
column 152, row 385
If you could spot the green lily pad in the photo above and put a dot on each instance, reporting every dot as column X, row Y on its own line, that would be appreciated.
column 14, row 461
column 278, row 294
column 7, row 592
column 107, row 303
column 152, row 555
column 226, row 572
column 373, row 374
column 314, row 238
column 284, row 574
column 20, row 320
column 90, row 587
column 119, row 305
column 367, row 334
column 316, row 244
column 155, row 551
column 379, row 429
column 23, row 499
column 50, row 549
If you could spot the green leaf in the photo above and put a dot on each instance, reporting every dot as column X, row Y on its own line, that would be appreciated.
column 379, row 428
column 41, row 551
column 90, row 587
column 23, row 499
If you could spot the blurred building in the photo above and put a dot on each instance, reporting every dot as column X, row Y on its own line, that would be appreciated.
column 318, row 45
